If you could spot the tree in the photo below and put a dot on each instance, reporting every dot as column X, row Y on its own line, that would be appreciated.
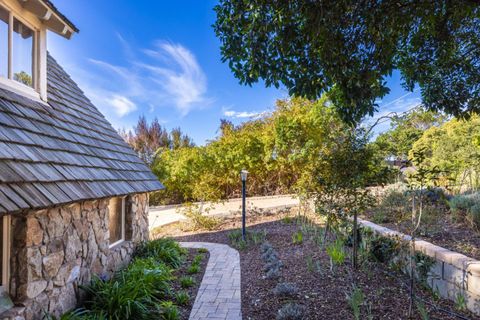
column 349, row 48
column 405, row 130
column 23, row 77
column 147, row 139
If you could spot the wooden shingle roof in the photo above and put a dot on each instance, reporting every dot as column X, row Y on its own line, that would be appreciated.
column 63, row 152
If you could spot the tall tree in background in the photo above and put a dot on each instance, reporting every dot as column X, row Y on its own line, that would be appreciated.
column 349, row 48
column 405, row 129
column 147, row 139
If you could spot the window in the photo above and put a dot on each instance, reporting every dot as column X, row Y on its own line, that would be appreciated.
column 116, row 222
column 18, row 54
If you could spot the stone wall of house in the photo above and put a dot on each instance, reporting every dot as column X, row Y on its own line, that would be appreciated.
column 56, row 250
column 452, row 275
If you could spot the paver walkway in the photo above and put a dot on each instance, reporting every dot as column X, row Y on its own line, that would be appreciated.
column 219, row 295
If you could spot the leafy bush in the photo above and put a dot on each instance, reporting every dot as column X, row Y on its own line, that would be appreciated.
column 466, row 206
column 285, row 289
column 164, row 250
column 291, row 311
column 392, row 207
column 194, row 268
column 382, row 249
column 79, row 314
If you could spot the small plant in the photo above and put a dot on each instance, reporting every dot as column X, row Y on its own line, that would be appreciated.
column 336, row 253
column 169, row 311
column 285, row 289
column 182, row 298
column 198, row 220
column 197, row 259
column 254, row 237
column 297, row 237
column 193, row 269
column 423, row 264
column 186, row 282
column 202, row 250
column 288, row 219
column 310, row 265
column 355, row 300
column 291, row 311
column 460, row 301
column 422, row 311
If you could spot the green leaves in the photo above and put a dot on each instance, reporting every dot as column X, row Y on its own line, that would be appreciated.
column 349, row 48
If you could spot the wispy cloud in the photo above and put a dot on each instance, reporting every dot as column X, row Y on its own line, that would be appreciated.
column 167, row 74
column 245, row 114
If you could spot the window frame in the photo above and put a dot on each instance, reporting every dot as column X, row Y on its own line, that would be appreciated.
column 122, row 231
column 6, row 246
column 9, row 82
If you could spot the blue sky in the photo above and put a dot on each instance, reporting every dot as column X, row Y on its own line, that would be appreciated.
column 162, row 59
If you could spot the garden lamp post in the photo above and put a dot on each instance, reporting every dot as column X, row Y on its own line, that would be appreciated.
column 243, row 175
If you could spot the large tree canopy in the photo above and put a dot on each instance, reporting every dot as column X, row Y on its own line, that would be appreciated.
column 349, row 48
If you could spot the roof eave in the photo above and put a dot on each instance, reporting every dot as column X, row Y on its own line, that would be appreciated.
column 53, row 19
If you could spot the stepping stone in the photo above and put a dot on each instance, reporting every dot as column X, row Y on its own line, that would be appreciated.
column 219, row 295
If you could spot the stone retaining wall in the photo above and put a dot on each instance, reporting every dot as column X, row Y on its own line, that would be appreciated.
column 56, row 250
column 452, row 275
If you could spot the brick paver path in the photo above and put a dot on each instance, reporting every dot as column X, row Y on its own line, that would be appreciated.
column 219, row 294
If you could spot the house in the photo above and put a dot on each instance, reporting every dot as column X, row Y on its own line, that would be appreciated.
column 73, row 195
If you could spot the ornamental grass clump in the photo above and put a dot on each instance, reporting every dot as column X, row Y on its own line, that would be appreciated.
column 164, row 249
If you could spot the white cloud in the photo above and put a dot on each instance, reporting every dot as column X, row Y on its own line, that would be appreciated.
column 245, row 114
column 122, row 105
column 166, row 74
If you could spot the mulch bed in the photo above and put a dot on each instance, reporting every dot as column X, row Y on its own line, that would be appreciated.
column 445, row 233
column 193, row 290
column 321, row 292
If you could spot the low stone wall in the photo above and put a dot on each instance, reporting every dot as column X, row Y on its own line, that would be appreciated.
column 452, row 274
column 56, row 250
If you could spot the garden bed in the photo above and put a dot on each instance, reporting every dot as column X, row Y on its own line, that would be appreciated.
column 319, row 292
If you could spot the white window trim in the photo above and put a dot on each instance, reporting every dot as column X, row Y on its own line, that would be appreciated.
column 6, row 254
column 122, row 238
column 39, row 90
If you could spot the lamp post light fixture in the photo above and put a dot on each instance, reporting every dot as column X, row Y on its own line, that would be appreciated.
column 243, row 175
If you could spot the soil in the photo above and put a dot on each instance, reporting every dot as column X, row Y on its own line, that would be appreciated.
column 321, row 291
column 443, row 232
column 192, row 291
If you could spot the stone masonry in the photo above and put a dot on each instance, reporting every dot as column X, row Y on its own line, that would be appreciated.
column 57, row 249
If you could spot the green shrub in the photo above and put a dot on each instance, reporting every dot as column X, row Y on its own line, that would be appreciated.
column 202, row 250
column 466, row 206
column 78, row 314
column 186, row 282
column 392, row 207
column 121, row 300
column 163, row 250
column 198, row 220
column 474, row 216
column 182, row 298
column 169, row 311
column 382, row 249
column 198, row 258
column 291, row 311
